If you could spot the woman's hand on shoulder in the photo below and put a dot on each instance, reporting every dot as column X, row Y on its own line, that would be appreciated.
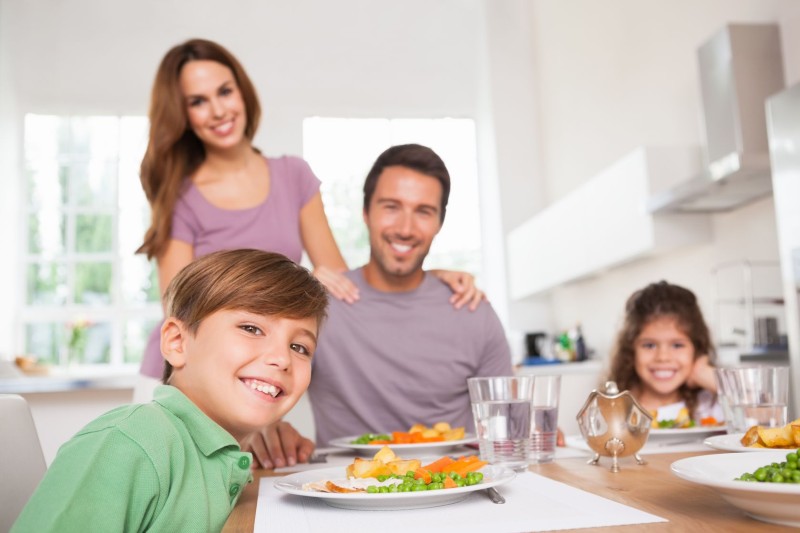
column 338, row 285
column 465, row 292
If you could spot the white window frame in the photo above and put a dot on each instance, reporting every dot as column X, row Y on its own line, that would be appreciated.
column 118, row 311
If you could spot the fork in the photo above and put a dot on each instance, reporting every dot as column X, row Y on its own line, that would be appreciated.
column 495, row 496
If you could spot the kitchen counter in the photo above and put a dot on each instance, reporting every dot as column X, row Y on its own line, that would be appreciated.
column 14, row 381
column 65, row 400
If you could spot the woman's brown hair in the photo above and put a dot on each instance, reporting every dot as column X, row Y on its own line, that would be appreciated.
column 173, row 150
column 659, row 300
column 262, row 283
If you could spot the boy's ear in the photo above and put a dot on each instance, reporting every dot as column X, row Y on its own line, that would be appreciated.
column 174, row 335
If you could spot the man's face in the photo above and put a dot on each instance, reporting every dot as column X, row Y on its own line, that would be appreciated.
column 403, row 218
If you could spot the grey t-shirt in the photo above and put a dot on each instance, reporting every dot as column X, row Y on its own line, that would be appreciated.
column 395, row 359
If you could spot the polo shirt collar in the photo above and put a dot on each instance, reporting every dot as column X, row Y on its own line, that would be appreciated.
column 209, row 436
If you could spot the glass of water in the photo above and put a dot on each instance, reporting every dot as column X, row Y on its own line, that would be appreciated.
column 516, row 418
column 756, row 396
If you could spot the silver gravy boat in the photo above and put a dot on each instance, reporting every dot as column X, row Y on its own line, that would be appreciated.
column 614, row 425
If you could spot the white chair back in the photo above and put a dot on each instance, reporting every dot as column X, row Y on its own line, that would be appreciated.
column 22, row 464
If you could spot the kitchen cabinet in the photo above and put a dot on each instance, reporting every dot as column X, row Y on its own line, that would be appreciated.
column 605, row 223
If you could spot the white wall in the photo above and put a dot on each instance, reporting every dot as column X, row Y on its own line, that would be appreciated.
column 560, row 90
column 415, row 58
column 618, row 74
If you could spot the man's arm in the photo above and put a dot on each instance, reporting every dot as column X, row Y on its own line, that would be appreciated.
column 496, row 356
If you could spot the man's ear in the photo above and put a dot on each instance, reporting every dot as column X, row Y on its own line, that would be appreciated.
column 174, row 335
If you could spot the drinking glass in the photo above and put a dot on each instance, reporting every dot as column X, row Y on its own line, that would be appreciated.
column 516, row 418
column 755, row 396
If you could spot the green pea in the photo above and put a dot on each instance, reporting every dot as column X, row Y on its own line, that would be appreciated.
column 372, row 489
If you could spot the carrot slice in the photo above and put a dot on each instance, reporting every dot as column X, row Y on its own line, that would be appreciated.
column 421, row 473
column 466, row 464
column 439, row 464
column 449, row 483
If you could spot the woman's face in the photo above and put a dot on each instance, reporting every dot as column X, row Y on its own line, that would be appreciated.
column 664, row 358
column 214, row 104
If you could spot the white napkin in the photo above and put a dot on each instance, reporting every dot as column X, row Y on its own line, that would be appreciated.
column 533, row 503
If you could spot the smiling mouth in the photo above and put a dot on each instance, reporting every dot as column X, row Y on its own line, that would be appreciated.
column 663, row 374
column 263, row 387
column 223, row 128
column 401, row 248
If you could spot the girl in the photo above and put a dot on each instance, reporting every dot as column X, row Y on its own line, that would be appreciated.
column 210, row 189
column 663, row 354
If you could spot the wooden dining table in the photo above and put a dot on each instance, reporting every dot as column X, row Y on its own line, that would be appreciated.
column 651, row 488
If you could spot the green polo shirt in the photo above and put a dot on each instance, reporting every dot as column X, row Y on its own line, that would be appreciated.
column 161, row 466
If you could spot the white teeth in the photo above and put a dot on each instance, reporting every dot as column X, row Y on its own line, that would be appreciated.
column 664, row 374
column 224, row 127
column 272, row 390
column 401, row 247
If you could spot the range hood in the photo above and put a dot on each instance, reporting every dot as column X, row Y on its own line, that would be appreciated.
column 740, row 67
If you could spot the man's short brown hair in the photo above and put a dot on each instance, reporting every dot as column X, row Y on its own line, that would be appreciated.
column 263, row 283
column 416, row 157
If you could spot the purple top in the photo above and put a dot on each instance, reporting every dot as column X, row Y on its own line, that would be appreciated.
column 391, row 360
column 274, row 225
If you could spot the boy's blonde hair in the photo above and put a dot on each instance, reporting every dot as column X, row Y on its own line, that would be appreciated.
column 263, row 283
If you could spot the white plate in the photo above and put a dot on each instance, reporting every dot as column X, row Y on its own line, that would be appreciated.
column 293, row 484
column 697, row 430
column 770, row 502
column 420, row 449
column 682, row 435
column 733, row 443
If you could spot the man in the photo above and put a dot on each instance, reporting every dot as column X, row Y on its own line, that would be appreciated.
column 402, row 354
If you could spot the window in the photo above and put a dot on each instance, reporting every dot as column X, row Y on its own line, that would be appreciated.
column 87, row 298
column 341, row 152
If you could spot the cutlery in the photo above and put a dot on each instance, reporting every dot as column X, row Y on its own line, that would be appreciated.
column 318, row 458
column 495, row 496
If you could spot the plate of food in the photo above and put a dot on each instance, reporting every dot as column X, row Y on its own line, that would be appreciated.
column 419, row 440
column 759, row 438
column 731, row 442
column 679, row 427
column 387, row 482
column 774, row 501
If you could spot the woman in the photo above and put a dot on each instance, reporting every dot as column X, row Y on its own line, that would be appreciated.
column 209, row 188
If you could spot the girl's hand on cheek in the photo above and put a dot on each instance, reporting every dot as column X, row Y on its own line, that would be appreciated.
column 702, row 375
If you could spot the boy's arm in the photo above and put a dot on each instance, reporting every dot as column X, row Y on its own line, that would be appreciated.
column 101, row 481
column 278, row 445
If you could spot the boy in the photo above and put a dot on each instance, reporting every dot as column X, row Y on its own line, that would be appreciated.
column 241, row 332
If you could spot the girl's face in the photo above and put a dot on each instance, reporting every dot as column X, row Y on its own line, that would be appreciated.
column 214, row 104
column 664, row 359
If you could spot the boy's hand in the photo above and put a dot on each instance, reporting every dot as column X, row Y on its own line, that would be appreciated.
column 278, row 445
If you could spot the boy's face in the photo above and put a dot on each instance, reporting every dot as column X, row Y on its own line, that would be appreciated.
column 241, row 369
